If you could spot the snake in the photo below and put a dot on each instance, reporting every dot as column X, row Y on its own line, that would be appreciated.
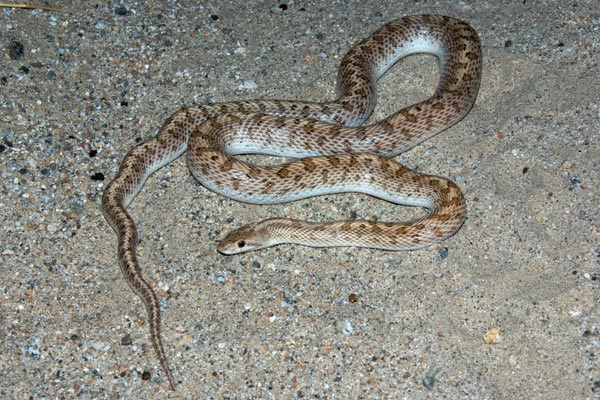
column 332, row 151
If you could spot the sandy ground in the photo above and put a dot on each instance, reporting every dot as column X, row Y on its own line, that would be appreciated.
column 291, row 322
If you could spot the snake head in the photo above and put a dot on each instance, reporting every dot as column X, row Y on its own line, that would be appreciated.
column 246, row 238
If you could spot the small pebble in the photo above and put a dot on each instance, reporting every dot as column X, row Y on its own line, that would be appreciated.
column 347, row 328
column 15, row 50
column 121, row 11
column 443, row 253
column 126, row 340
column 249, row 84
column 430, row 380
column 493, row 336
column 52, row 228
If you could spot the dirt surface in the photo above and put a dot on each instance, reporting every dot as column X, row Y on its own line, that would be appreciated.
column 508, row 308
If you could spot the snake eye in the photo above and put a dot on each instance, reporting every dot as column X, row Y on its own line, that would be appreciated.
column 241, row 244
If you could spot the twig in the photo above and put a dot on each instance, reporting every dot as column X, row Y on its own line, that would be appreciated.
column 31, row 7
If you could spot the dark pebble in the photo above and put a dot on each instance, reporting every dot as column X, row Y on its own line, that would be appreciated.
column 126, row 340
column 443, row 253
column 16, row 50
column 429, row 381
column 121, row 11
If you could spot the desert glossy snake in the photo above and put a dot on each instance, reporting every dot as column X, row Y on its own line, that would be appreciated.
column 336, row 153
